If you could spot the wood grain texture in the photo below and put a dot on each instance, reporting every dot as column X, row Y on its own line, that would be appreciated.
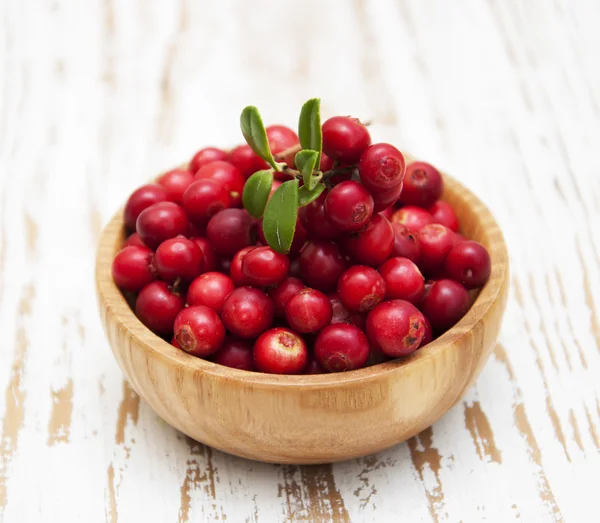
column 98, row 96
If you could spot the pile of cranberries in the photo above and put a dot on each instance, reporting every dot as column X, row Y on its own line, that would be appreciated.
column 376, row 269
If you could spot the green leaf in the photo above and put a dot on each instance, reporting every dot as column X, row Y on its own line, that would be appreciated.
column 256, row 192
column 255, row 134
column 306, row 196
column 305, row 162
column 309, row 126
column 279, row 220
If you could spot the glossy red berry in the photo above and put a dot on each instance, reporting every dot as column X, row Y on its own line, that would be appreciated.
column 315, row 221
column 341, row 347
column 157, row 306
column 231, row 230
column 406, row 243
column 203, row 199
column 345, row 139
column 348, row 206
column 246, row 160
column 210, row 289
column 469, row 263
column 340, row 313
column 386, row 199
column 403, row 280
column 412, row 217
column 373, row 244
column 263, row 267
column 175, row 182
column 199, row 331
column 308, row 311
column 141, row 199
column 159, row 222
column 445, row 302
column 281, row 138
column 381, row 167
column 326, row 163
column 210, row 258
column 247, row 312
column 423, row 185
column 206, row 156
column 236, row 354
column 396, row 327
column 134, row 240
column 428, row 335
column 321, row 265
column 132, row 268
column 178, row 258
column 313, row 366
column 436, row 242
column 280, row 351
column 360, row 288
column 300, row 237
column 283, row 292
column 442, row 212
column 235, row 269
column 227, row 175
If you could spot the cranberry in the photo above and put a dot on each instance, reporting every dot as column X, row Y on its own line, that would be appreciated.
column 387, row 213
column 340, row 313
column 341, row 347
column 274, row 187
column 348, row 206
column 264, row 267
column 423, row 185
column 235, row 269
column 345, row 139
column 133, row 268
column 381, row 167
column 469, row 263
column 412, row 217
column 247, row 312
column 246, row 160
column 231, row 230
column 373, row 244
column 236, row 354
column 396, row 327
column 199, row 331
column 298, row 242
column 159, row 222
column 445, row 302
column 203, row 199
column 383, row 201
column 141, row 199
column 406, row 243
column 280, row 351
column 313, row 366
column 175, row 182
column 459, row 238
column 178, row 258
column 226, row 175
column 210, row 289
column 308, row 311
column 321, row 264
column 442, row 212
column 403, row 280
column 360, row 288
column 428, row 335
column 157, row 306
column 281, row 138
column 436, row 242
column 134, row 240
column 206, row 156
column 210, row 258
column 326, row 163
column 314, row 220
column 175, row 343
column 283, row 292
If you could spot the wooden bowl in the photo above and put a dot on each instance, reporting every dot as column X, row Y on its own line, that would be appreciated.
column 315, row 418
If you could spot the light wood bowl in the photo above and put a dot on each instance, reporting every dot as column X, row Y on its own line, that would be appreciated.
column 315, row 418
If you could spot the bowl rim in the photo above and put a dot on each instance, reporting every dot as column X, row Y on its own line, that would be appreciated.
column 112, row 300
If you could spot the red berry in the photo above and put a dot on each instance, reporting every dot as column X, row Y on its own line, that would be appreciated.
column 175, row 182
column 414, row 218
column 403, row 280
column 442, row 212
column 246, row 160
column 445, row 302
column 235, row 269
column 298, row 242
column 428, row 335
column 231, row 230
column 313, row 366
column 210, row 258
column 226, row 175
column 274, row 187
column 210, row 289
column 340, row 313
column 263, row 267
column 385, row 200
column 283, row 292
column 206, row 156
column 157, row 306
column 281, row 138
column 134, row 240
column 423, row 185
column 396, row 327
column 321, row 264
column 360, row 288
column 199, row 331
column 469, row 263
column 178, row 258
column 175, row 343
column 280, row 351
column 314, row 220
column 159, row 222
column 406, row 243
column 141, row 199
column 247, row 312
column 387, row 213
column 308, row 311
column 348, row 206
column 345, row 139
column 381, row 167
column 373, row 244
column 133, row 268
column 203, row 199
column 326, row 163
column 236, row 354
column 341, row 347
column 436, row 242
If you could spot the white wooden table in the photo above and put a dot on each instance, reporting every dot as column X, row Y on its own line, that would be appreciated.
column 98, row 96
